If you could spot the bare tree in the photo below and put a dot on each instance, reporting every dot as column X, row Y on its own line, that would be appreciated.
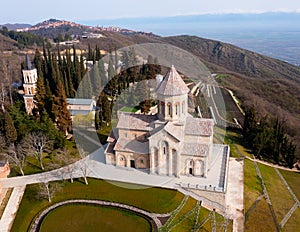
column 36, row 144
column 17, row 156
column 47, row 190
column 83, row 163
column 68, row 163
column 65, row 165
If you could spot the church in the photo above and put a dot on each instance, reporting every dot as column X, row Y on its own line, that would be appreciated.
column 171, row 142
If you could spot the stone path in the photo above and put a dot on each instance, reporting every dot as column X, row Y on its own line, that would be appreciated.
column 272, row 165
column 234, row 199
column 11, row 209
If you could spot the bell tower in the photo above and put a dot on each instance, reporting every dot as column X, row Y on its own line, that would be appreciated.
column 172, row 95
column 29, row 78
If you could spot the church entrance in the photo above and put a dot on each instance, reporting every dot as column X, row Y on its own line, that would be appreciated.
column 191, row 171
column 132, row 164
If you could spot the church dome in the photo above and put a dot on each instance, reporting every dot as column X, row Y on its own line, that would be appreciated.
column 172, row 84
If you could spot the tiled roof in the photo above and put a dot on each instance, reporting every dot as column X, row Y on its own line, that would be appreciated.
column 172, row 84
column 136, row 121
column 113, row 136
column 195, row 149
column 175, row 129
column 132, row 146
column 199, row 126
column 110, row 148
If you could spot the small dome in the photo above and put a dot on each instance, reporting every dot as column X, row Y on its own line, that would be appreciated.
column 172, row 84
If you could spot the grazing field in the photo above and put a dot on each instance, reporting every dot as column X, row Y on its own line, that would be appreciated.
column 78, row 218
column 154, row 200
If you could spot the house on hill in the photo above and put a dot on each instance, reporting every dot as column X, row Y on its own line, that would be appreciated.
column 171, row 142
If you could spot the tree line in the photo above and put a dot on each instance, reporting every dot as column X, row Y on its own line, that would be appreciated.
column 24, row 39
column 267, row 137
column 122, row 73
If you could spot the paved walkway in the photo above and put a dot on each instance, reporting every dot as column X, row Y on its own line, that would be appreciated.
column 272, row 165
column 234, row 199
column 11, row 209
column 97, row 168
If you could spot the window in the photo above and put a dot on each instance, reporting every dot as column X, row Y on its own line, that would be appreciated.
column 169, row 109
column 142, row 161
column 164, row 150
column 126, row 135
column 176, row 109
column 121, row 159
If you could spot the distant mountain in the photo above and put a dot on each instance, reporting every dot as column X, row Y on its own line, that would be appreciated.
column 52, row 27
column 15, row 26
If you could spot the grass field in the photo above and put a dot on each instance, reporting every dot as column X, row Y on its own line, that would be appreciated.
column 293, row 180
column 276, row 190
column 78, row 218
column 260, row 220
column 293, row 223
column 151, row 199
column 252, row 185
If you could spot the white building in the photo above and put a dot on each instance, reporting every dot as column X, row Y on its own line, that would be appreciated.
column 171, row 142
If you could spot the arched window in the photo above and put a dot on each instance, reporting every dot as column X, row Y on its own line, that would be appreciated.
column 169, row 109
column 162, row 108
column 164, row 150
column 177, row 109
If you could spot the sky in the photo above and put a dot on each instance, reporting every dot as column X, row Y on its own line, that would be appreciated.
column 35, row 11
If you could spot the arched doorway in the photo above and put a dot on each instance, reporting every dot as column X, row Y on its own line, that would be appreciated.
column 189, row 167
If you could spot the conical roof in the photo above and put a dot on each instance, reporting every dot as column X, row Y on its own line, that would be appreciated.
column 172, row 84
column 28, row 63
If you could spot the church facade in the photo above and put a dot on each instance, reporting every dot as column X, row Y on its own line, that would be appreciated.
column 171, row 143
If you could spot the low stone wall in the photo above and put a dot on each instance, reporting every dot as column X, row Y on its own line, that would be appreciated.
column 152, row 218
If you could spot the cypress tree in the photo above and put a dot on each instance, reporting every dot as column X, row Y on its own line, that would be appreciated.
column 60, row 109
column 10, row 130
column 40, row 95
column 98, row 55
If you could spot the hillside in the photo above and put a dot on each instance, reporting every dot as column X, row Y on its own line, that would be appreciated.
column 7, row 44
column 272, row 85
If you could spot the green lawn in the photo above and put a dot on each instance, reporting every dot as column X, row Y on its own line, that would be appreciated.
column 78, row 218
column 293, row 180
column 129, row 109
column 260, row 220
column 189, row 205
column 151, row 199
column 293, row 224
column 281, row 199
column 252, row 185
